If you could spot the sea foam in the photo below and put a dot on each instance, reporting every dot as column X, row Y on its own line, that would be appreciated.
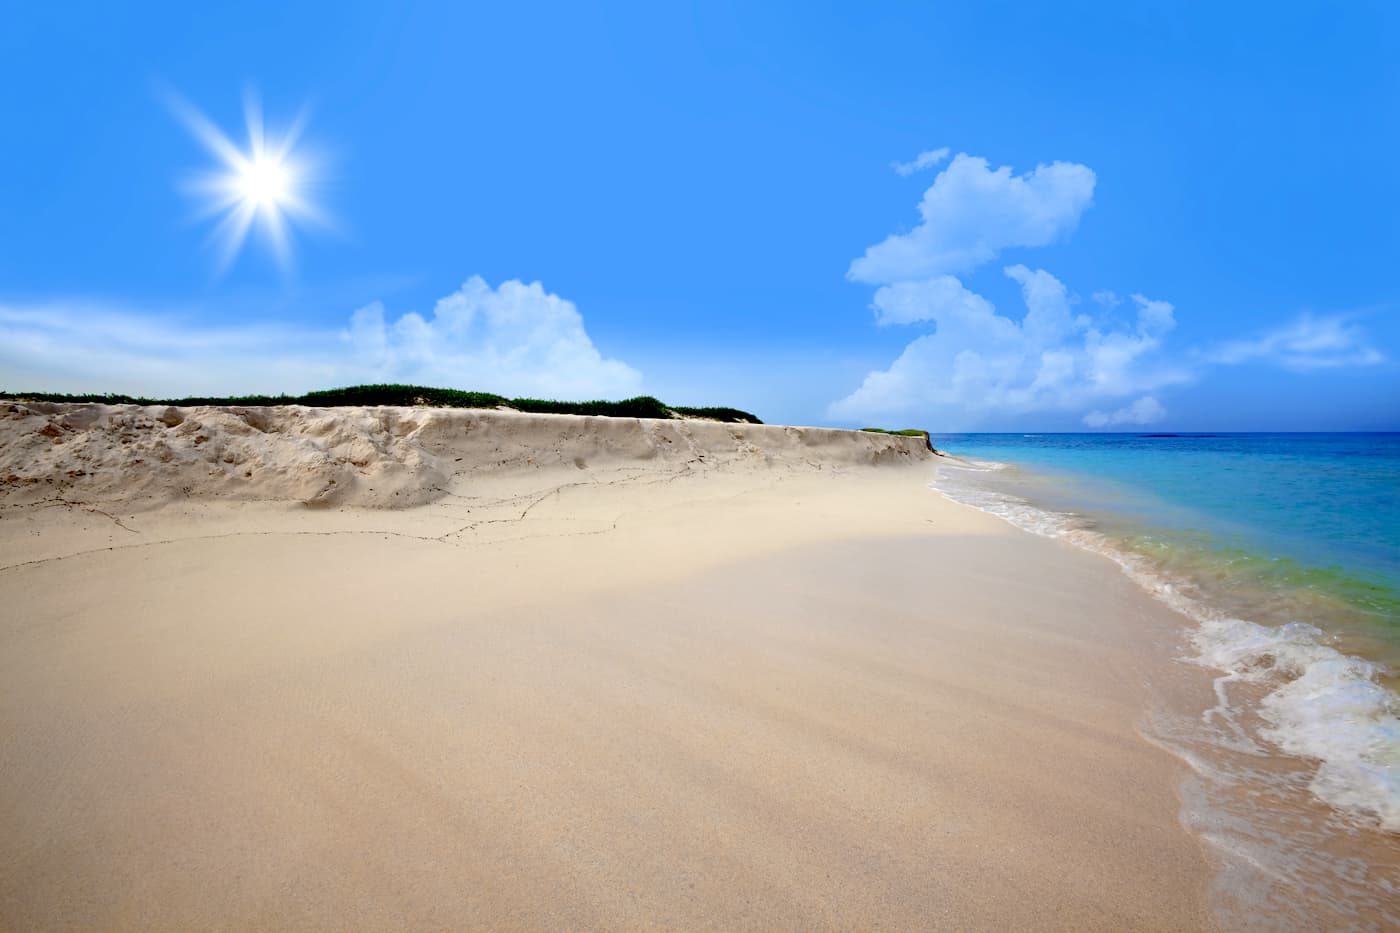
column 1323, row 705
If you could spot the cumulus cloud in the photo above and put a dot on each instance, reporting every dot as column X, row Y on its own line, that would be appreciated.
column 979, row 362
column 517, row 339
column 1307, row 343
column 923, row 160
column 1145, row 410
column 942, row 296
column 971, row 212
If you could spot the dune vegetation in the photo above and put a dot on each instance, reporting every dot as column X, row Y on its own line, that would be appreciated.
column 643, row 406
column 906, row 432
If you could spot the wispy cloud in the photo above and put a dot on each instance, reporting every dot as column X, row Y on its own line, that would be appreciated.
column 1308, row 342
column 972, row 212
column 926, row 159
column 87, row 346
column 1145, row 410
column 517, row 339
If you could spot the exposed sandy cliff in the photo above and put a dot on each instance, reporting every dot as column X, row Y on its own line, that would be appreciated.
column 379, row 457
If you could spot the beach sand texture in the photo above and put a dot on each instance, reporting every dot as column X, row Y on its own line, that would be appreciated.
column 401, row 668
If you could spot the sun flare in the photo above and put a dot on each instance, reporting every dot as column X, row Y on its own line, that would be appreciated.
column 263, row 185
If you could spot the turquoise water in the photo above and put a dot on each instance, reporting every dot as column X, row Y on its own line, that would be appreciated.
column 1320, row 510
column 1283, row 549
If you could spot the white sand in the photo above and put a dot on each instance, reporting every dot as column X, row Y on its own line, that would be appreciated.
column 598, row 673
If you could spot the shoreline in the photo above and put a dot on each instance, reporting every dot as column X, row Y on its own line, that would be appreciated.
column 1276, row 819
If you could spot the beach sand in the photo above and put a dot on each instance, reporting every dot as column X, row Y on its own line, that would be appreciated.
column 583, row 673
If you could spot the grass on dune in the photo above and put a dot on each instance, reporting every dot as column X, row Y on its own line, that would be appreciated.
column 643, row 406
column 907, row 432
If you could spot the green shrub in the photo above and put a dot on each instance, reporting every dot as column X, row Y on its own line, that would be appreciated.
column 402, row 395
column 643, row 406
column 717, row 414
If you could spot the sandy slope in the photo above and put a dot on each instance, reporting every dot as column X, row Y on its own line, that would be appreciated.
column 599, row 675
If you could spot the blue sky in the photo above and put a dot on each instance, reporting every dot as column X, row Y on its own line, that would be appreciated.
column 720, row 204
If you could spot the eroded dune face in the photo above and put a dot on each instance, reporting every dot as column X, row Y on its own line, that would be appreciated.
column 371, row 457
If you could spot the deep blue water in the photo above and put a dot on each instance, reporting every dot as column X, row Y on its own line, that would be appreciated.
column 1323, row 509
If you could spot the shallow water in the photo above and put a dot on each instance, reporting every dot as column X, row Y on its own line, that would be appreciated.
column 1284, row 551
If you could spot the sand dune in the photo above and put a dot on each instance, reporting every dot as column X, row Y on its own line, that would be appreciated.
column 593, row 673
column 375, row 457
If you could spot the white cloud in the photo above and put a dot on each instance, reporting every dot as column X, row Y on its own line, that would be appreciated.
column 980, row 363
column 517, row 339
column 972, row 212
column 1145, row 410
column 923, row 160
column 942, row 296
column 1307, row 343
column 1154, row 317
column 1048, row 319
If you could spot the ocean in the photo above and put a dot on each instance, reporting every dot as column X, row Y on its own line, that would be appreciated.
column 1283, row 552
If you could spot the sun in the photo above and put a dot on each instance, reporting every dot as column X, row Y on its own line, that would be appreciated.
column 263, row 185
column 266, row 182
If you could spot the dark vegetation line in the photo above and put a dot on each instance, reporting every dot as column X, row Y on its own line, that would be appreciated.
column 643, row 406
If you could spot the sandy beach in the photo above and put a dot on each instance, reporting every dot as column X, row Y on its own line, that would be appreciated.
column 396, row 668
